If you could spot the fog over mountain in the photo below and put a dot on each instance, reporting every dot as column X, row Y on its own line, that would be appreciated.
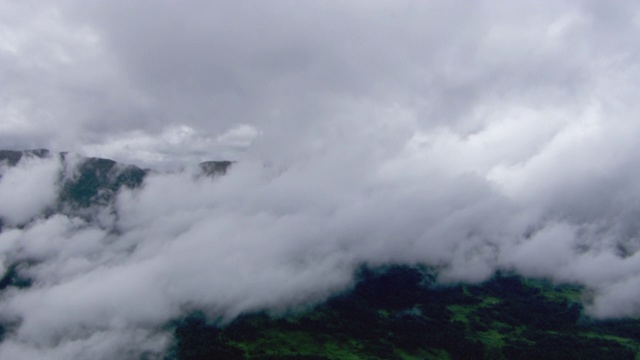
column 468, row 137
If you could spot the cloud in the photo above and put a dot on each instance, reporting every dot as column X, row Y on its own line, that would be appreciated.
column 296, row 73
column 368, row 132
column 174, row 147
column 28, row 189
column 241, row 136
column 290, row 234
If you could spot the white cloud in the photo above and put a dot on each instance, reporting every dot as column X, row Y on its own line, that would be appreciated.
column 365, row 132
column 240, row 136
column 28, row 189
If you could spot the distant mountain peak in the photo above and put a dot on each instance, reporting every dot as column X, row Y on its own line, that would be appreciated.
column 88, row 181
column 12, row 157
column 210, row 168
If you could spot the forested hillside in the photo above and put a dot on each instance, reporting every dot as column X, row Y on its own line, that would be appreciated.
column 399, row 312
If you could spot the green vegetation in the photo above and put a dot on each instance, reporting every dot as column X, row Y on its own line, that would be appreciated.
column 400, row 313
column 98, row 180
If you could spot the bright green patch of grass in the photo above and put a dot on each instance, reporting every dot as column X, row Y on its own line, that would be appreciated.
column 553, row 292
column 432, row 354
column 634, row 345
column 274, row 342
column 492, row 339
column 461, row 313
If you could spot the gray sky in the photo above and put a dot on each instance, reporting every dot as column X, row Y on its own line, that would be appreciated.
column 158, row 82
column 474, row 136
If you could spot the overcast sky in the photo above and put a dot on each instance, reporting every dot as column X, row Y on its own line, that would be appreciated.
column 473, row 136
column 165, row 82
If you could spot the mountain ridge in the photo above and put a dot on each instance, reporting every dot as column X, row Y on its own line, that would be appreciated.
column 391, row 312
column 86, row 182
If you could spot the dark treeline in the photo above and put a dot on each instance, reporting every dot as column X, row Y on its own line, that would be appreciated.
column 400, row 313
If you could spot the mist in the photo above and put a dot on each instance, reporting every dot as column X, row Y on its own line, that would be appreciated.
column 287, row 235
column 499, row 138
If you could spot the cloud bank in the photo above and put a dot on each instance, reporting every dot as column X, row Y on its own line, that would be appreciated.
column 498, row 137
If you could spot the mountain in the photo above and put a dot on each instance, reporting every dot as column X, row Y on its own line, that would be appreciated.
column 12, row 157
column 95, row 181
column 392, row 312
column 213, row 168
column 400, row 312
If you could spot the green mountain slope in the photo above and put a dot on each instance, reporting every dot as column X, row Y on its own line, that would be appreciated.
column 395, row 312
column 399, row 313
column 96, row 181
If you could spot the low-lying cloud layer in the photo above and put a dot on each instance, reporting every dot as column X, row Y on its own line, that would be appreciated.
column 287, row 235
column 501, row 136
